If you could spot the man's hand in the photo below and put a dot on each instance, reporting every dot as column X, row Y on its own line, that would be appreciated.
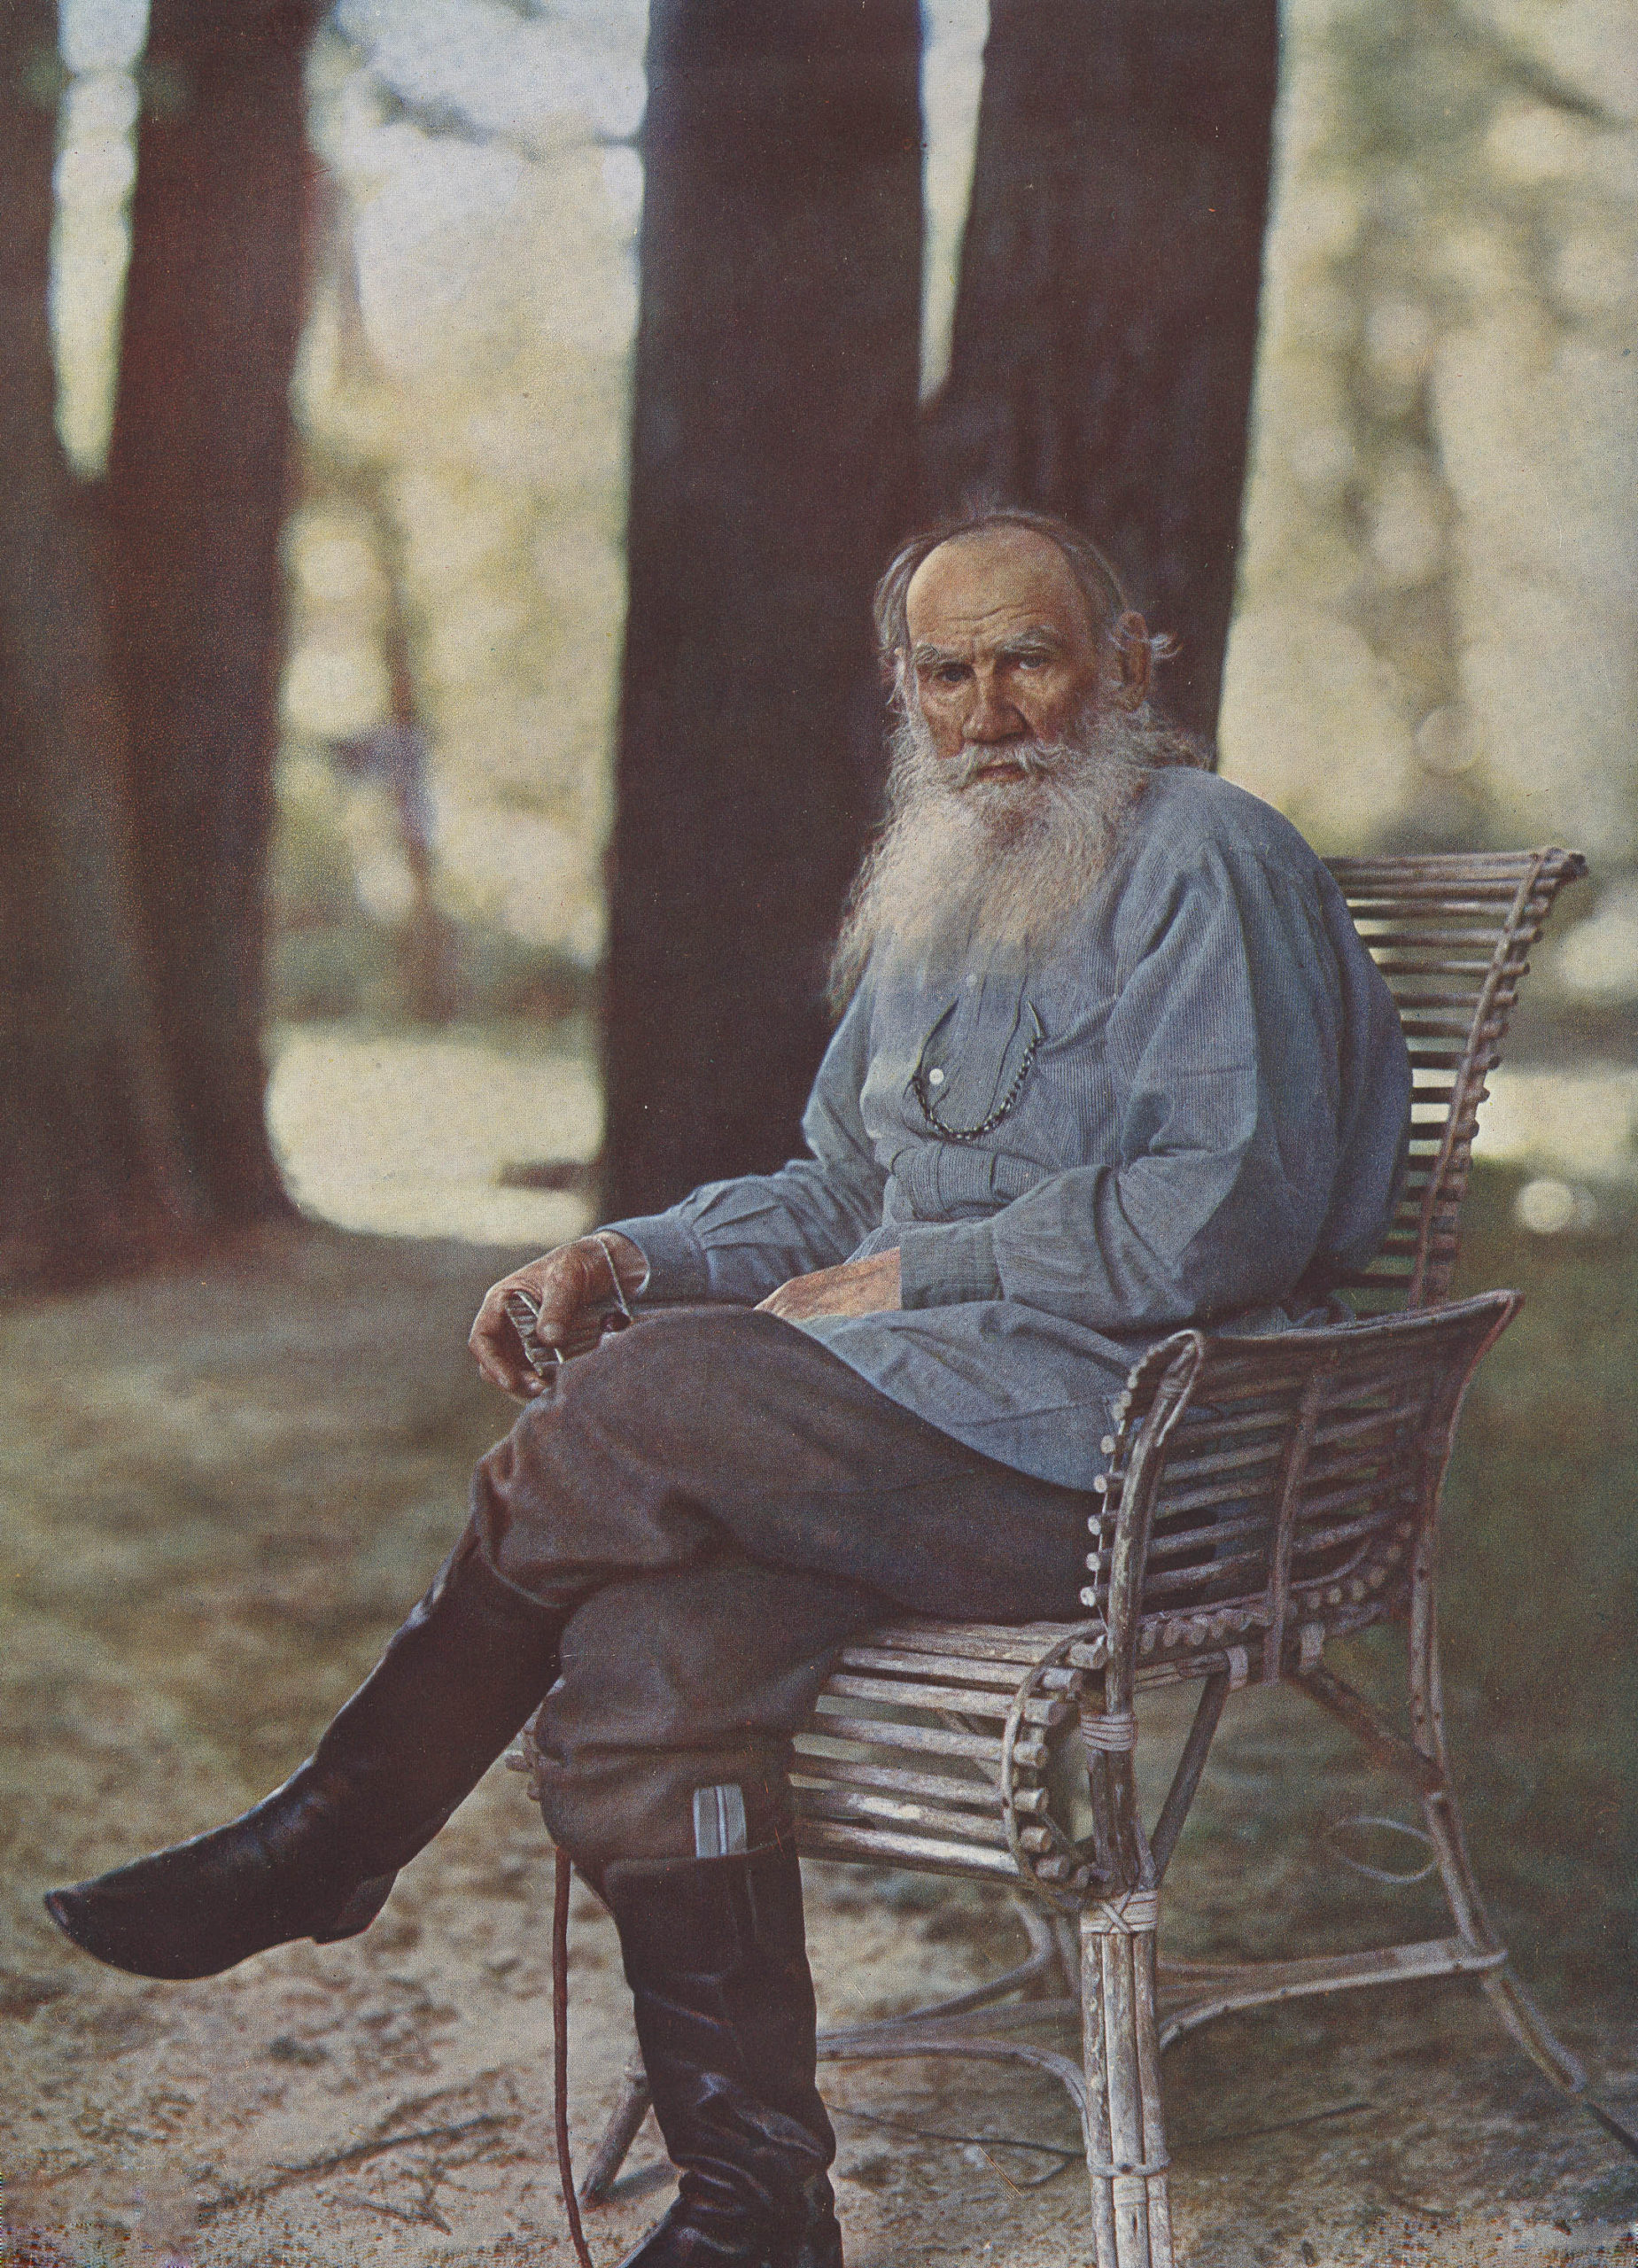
column 573, row 1285
column 857, row 1288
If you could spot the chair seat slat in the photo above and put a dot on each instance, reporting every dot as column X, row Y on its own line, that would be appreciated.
column 969, row 1700
column 874, row 1732
column 815, row 1800
column 978, row 1795
column 994, row 1641
column 825, row 1839
column 952, row 1667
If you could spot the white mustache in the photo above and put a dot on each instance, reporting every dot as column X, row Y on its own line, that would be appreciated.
column 1030, row 759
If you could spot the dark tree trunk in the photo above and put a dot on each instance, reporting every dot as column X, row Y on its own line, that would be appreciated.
column 196, row 492
column 1107, row 317
column 90, row 1177
column 772, row 470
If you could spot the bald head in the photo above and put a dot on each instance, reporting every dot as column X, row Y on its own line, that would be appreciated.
column 1017, row 572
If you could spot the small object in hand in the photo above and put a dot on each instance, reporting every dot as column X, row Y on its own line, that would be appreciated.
column 545, row 1361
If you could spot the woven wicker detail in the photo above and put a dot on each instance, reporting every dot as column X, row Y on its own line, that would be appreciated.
column 1109, row 1734
column 1131, row 1915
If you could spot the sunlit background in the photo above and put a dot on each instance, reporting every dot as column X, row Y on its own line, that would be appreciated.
column 1438, row 615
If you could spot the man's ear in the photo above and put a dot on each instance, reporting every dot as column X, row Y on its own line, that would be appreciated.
column 1131, row 661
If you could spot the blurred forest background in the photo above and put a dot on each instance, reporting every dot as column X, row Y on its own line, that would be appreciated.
column 413, row 600
column 448, row 447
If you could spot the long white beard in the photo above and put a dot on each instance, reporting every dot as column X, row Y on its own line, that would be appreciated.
column 1007, row 862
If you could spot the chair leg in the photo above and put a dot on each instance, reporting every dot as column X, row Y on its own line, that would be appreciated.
column 617, row 2135
column 1125, row 2125
column 1513, row 2005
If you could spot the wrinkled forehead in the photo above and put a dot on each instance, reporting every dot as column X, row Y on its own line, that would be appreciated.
column 992, row 584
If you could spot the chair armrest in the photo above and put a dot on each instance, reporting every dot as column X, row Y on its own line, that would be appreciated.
column 1253, row 1478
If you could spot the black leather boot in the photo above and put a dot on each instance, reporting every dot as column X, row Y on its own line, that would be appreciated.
column 718, row 1965
column 317, row 1858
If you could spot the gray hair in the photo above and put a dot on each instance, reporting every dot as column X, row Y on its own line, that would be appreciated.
column 1095, row 579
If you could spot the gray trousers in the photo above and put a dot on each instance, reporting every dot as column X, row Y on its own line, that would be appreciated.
column 723, row 1503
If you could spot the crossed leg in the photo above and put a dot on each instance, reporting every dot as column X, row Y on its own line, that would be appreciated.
column 731, row 1503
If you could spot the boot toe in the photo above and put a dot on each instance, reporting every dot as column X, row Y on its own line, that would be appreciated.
column 124, row 1934
column 189, row 1912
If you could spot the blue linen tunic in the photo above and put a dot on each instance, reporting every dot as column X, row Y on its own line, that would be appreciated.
column 1215, row 1113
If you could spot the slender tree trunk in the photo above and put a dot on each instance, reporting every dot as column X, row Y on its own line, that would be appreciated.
column 772, row 470
column 1107, row 317
column 90, row 1170
column 197, row 483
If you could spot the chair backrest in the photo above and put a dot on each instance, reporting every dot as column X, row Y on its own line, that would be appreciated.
column 1452, row 934
column 1259, row 1485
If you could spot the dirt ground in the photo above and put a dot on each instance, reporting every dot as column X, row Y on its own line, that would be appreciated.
column 222, row 1491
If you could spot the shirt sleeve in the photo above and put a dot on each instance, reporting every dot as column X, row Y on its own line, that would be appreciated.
column 735, row 1241
column 1227, row 1044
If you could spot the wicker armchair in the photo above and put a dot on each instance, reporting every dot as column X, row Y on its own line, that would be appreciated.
column 1263, row 1496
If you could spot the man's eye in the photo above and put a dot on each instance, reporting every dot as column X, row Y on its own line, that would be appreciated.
column 951, row 672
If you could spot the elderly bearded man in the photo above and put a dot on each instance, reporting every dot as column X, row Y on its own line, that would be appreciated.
column 1113, row 1060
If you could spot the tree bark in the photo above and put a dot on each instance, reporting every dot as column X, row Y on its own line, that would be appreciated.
column 1105, row 320
column 196, row 487
column 772, row 470
column 90, row 1168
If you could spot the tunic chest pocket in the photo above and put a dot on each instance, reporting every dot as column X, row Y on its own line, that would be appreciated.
column 974, row 1064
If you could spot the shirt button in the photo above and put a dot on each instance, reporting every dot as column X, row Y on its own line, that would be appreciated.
column 935, row 1078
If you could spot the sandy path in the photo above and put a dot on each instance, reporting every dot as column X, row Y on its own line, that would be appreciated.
column 256, row 1467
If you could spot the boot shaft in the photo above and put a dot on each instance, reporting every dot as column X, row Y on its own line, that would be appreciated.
column 717, row 1961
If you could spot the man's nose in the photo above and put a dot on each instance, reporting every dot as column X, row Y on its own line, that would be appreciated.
column 991, row 716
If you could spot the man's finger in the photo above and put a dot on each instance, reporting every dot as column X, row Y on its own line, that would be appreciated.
column 495, row 1346
column 497, row 1368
